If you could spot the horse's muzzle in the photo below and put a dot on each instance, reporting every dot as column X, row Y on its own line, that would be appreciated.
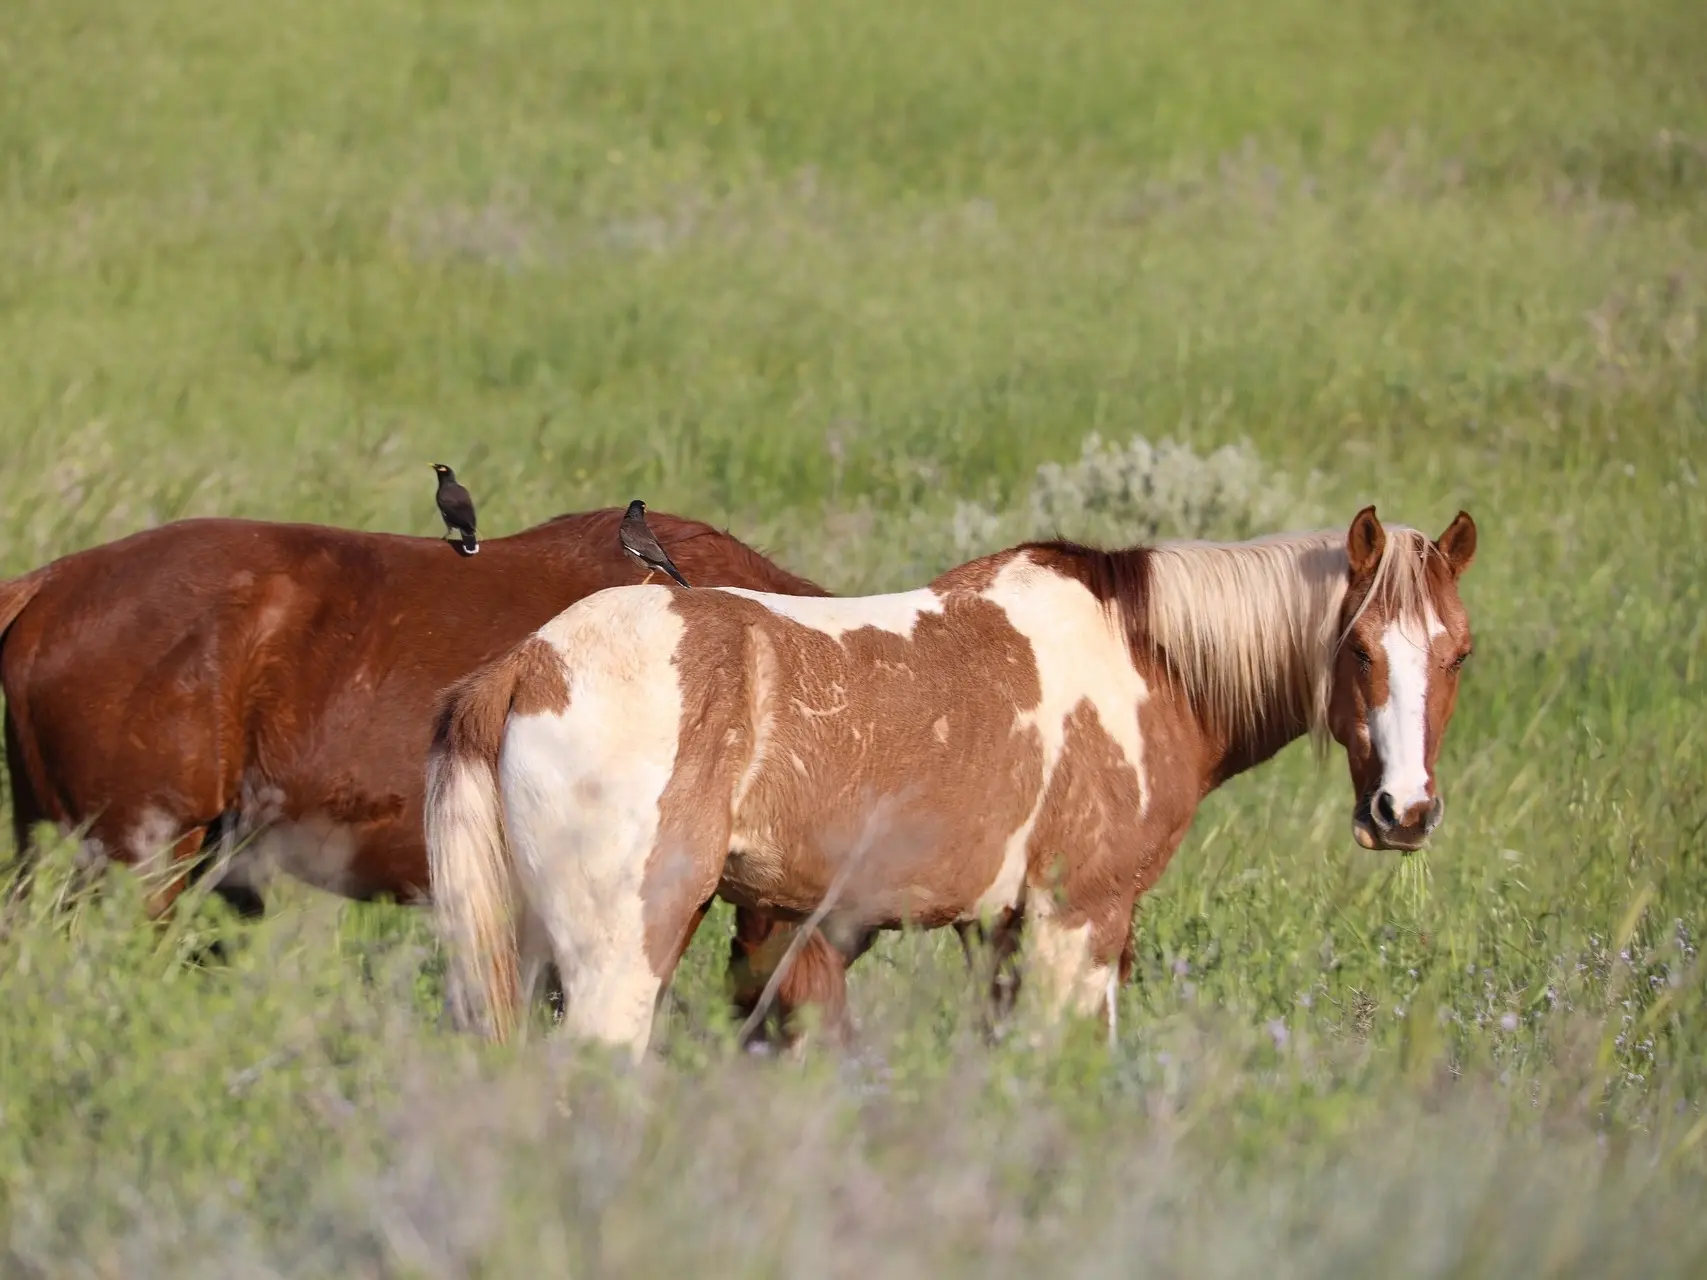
column 1375, row 825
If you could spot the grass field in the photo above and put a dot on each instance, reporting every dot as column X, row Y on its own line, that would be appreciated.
column 859, row 281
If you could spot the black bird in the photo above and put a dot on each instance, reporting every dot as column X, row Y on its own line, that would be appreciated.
column 638, row 541
column 457, row 509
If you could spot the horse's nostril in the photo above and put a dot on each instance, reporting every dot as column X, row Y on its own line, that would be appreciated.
column 1384, row 812
column 1434, row 810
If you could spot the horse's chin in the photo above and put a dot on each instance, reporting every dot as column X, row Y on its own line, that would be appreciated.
column 1368, row 835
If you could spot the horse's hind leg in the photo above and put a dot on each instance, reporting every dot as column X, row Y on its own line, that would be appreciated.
column 611, row 985
column 613, row 837
column 994, row 951
column 536, row 973
column 618, row 921
column 234, row 886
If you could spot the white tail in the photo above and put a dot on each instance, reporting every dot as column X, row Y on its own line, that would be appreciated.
column 474, row 894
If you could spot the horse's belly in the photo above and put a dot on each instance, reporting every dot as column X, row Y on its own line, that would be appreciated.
column 881, row 864
column 317, row 851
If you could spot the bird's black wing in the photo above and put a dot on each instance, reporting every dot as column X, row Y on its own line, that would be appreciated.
column 456, row 506
column 641, row 543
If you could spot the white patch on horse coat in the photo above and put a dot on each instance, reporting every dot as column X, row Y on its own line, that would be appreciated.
column 761, row 690
column 1398, row 727
column 315, row 850
column 92, row 851
column 1079, row 656
column 836, row 616
column 581, row 792
column 151, row 840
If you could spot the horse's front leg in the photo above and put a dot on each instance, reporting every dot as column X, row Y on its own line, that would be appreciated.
column 1081, row 950
column 816, row 977
column 994, row 951
column 1077, row 961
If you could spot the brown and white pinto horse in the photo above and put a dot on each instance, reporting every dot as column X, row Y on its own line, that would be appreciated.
column 1026, row 739
column 234, row 678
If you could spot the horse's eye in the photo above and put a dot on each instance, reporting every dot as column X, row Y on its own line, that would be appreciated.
column 1362, row 656
column 1461, row 659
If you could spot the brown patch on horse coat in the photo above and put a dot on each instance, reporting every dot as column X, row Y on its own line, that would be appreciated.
column 972, row 577
column 693, row 815
column 1087, row 846
column 472, row 713
column 1119, row 580
column 794, row 761
column 920, row 855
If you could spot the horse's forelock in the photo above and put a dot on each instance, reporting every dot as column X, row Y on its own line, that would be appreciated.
column 1401, row 587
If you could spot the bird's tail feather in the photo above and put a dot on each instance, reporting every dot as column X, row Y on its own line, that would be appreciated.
column 470, row 543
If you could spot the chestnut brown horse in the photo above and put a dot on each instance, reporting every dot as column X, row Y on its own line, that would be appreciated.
column 1026, row 741
column 273, row 685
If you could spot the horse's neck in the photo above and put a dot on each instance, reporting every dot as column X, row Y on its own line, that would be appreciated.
column 1229, row 750
column 1232, row 754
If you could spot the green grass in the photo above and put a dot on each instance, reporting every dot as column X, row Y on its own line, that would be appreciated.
column 822, row 272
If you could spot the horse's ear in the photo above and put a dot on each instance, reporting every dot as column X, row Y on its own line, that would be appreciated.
column 1365, row 542
column 1458, row 543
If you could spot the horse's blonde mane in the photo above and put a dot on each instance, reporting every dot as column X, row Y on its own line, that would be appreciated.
column 1250, row 629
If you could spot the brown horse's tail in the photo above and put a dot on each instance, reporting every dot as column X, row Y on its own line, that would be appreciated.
column 475, row 896
column 14, row 595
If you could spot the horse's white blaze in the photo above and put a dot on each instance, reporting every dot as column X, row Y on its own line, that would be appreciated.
column 1079, row 656
column 1398, row 727
column 836, row 616
column 581, row 792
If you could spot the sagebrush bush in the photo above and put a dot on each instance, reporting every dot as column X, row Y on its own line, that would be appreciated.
column 1139, row 492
